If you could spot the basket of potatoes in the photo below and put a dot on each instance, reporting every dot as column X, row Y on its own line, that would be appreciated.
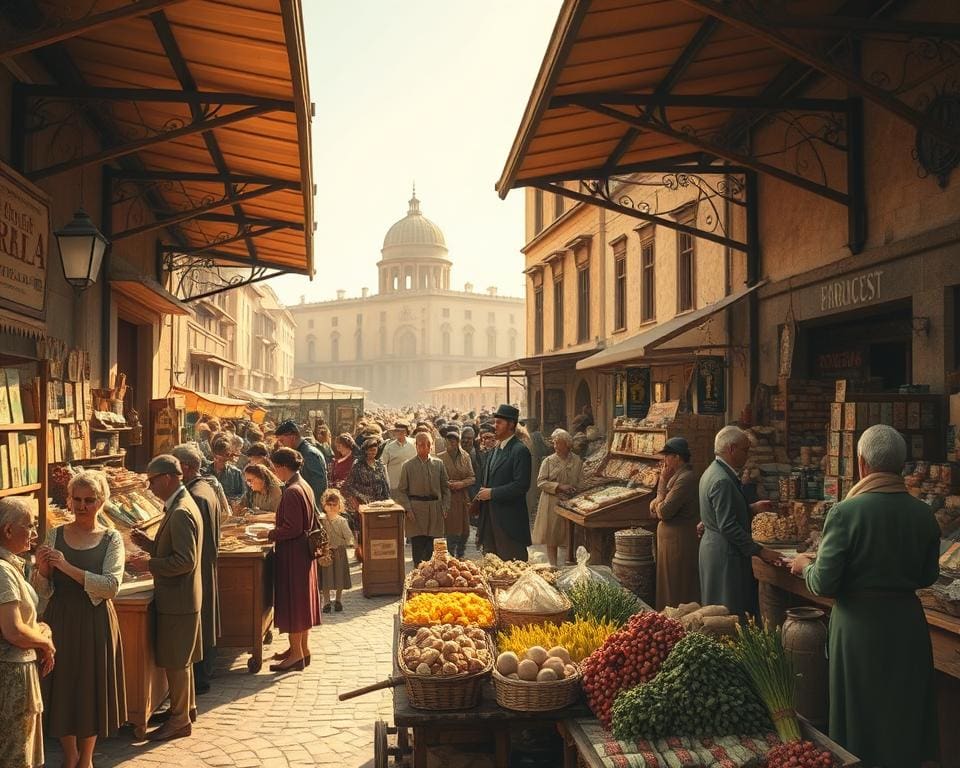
column 539, row 681
column 445, row 665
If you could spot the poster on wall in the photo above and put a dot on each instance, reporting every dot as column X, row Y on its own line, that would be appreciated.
column 619, row 394
column 24, row 244
column 711, row 388
column 638, row 392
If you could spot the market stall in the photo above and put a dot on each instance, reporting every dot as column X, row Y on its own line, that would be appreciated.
column 339, row 406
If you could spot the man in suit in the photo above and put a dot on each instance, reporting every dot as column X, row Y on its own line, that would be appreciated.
column 208, row 503
column 504, row 525
column 424, row 492
column 726, row 573
column 314, row 469
column 177, row 591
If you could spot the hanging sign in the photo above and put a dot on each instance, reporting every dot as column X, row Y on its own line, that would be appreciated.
column 638, row 392
column 711, row 390
column 24, row 244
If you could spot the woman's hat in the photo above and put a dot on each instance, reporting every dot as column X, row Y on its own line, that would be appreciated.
column 676, row 446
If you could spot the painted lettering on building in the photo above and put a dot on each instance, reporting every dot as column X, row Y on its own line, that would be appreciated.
column 24, row 243
column 851, row 291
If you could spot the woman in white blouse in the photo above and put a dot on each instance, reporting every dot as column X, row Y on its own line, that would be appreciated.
column 79, row 571
column 561, row 475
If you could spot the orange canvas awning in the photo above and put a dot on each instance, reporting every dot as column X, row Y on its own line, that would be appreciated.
column 211, row 405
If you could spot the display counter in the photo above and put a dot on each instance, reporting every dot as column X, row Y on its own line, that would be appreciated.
column 145, row 683
column 780, row 590
column 595, row 528
column 245, row 581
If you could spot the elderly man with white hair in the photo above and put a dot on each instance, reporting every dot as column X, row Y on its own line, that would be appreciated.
column 726, row 573
column 879, row 546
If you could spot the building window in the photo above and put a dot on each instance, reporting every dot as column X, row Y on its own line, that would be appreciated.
column 491, row 342
column 685, row 269
column 537, row 211
column 468, row 343
column 513, row 343
column 359, row 339
column 492, row 318
column 512, row 318
column 558, row 313
column 538, row 320
column 334, row 322
column 557, row 206
column 583, row 303
column 445, row 312
column 335, row 348
column 383, row 342
column 468, row 314
column 647, row 281
column 445, row 341
column 359, row 321
column 620, row 287
column 310, row 323
column 311, row 349
column 383, row 318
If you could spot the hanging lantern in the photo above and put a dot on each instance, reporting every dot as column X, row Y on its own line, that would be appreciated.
column 81, row 246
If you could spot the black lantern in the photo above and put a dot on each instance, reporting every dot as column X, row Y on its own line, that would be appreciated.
column 81, row 246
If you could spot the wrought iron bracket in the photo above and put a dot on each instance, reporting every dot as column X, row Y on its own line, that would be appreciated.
column 192, row 279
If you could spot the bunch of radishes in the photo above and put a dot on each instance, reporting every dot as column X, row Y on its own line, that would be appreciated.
column 804, row 754
column 630, row 656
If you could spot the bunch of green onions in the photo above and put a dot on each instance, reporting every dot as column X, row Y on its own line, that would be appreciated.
column 760, row 651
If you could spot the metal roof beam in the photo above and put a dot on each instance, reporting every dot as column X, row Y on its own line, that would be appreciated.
column 857, row 25
column 132, row 147
column 227, row 218
column 62, row 93
column 706, row 101
column 74, row 28
column 680, row 164
column 214, row 178
column 167, row 220
column 760, row 27
column 243, row 235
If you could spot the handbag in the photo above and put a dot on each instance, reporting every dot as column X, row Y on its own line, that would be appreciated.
column 319, row 543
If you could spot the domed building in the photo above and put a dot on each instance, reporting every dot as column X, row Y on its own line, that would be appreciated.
column 415, row 333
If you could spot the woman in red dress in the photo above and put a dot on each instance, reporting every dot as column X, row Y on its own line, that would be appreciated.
column 296, row 600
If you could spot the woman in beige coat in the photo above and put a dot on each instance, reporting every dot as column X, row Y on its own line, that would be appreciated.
column 677, row 506
column 561, row 474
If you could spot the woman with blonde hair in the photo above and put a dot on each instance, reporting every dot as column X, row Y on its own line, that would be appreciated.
column 79, row 570
column 335, row 576
column 561, row 474
column 263, row 488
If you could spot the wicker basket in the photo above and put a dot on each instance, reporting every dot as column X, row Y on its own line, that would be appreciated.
column 512, row 618
column 525, row 696
column 407, row 593
column 443, row 693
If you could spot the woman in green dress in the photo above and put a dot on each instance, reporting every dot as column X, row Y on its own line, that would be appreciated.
column 879, row 546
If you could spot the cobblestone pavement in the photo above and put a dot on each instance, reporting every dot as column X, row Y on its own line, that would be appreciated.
column 292, row 719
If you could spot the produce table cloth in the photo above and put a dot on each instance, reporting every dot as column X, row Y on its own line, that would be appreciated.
column 675, row 752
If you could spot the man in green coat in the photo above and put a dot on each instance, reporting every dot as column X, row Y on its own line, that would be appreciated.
column 879, row 546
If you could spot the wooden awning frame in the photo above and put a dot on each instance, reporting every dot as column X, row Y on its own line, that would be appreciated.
column 242, row 238
column 647, row 112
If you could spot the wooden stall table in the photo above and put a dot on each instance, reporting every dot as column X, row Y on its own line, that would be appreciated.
column 780, row 589
column 597, row 528
column 145, row 683
column 245, row 580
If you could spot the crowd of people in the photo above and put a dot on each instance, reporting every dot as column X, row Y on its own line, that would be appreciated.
column 61, row 662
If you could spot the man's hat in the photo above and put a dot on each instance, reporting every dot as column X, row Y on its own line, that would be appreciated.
column 677, row 446
column 164, row 464
column 451, row 432
column 508, row 412
column 288, row 427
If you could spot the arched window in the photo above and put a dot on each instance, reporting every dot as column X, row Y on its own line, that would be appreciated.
column 445, row 337
column 383, row 341
column 406, row 345
column 335, row 347
column 468, row 343
column 491, row 342
column 311, row 349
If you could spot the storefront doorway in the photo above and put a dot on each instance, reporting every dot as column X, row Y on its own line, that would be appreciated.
column 133, row 344
column 873, row 347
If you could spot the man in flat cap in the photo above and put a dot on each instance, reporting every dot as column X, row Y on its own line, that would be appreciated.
column 177, row 591
column 314, row 469
column 504, row 524
column 396, row 452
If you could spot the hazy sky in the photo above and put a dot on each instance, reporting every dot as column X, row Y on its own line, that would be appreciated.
column 430, row 91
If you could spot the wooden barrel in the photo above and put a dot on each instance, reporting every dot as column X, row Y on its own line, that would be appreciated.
column 805, row 641
column 633, row 563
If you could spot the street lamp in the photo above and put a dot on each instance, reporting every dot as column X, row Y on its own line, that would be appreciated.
column 81, row 246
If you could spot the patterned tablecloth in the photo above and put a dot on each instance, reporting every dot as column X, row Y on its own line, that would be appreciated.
column 677, row 752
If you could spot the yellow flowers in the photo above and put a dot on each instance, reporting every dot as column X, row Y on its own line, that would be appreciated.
column 448, row 608
column 581, row 637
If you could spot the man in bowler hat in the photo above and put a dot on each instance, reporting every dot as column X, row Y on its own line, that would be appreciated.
column 504, row 524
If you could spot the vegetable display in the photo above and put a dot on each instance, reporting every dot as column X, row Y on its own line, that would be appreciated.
column 537, row 664
column 510, row 570
column 447, row 649
column 445, row 571
column 631, row 655
column 580, row 637
column 701, row 690
column 602, row 601
column 798, row 754
column 448, row 608
column 761, row 653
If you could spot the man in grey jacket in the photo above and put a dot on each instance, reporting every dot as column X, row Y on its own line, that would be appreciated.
column 424, row 492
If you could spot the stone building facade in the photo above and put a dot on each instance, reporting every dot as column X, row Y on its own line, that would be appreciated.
column 416, row 332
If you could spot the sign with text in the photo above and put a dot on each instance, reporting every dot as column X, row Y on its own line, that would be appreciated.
column 638, row 392
column 24, row 244
column 711, row 389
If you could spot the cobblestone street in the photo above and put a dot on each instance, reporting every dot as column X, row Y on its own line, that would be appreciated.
column 292, row 719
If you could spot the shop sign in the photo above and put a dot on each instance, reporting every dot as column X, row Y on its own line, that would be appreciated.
column 711, row 390
column 638, row 392
column 849, row 292
column 24, row 244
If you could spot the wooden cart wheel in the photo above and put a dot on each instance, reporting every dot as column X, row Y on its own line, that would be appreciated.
column 380, row 750
column 253, row 665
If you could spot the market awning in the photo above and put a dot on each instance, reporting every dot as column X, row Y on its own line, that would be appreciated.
column 261, row 398
column 203, row 113
column 212, row 358
column 674, row 87
column 473, row 382
column 320, row 390
column 142, row 296
column 212, row 405
column 644, row 344
column 556, row 361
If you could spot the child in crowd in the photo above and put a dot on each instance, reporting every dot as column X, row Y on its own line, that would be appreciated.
column 335, row 576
